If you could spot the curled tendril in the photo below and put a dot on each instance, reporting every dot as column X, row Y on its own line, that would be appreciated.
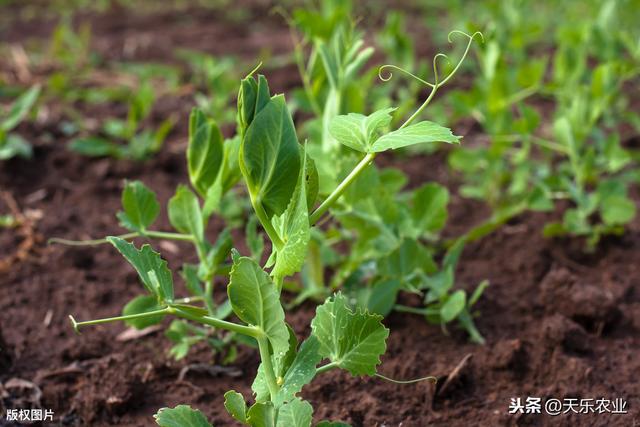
column 436, row 79
column 385, row 67
column 255, row 69
column 388, row 67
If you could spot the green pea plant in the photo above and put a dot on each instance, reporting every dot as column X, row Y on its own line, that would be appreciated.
column 392, row 235
column 594, row 174
column 12, row 144
column 139, row 142
column 213, row 171
column 282, row 185
column 534, row 57
column 373, row 227
column 215, row 83
column 507, row 171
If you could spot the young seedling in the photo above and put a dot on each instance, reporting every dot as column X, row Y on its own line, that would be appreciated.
column 282, row 187
column 213, row 171
column 12, row 144
column 215, row 81
column 139, row 143
column 594, row 172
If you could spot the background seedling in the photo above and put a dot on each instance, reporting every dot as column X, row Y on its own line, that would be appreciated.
column 12, row 144
column 140, row 143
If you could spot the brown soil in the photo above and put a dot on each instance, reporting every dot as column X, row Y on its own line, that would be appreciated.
column 558, row 323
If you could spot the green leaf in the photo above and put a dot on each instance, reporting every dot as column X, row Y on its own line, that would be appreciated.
column 185, row 214
column 95, row 146
column 326, row 423
column 236, row 406
column 358, row 131
column 205, row 152
column 353, row 340
column 293, row 229
column 14, row 145
column 297, row 413
column 617, row 210
column 261, row 415
column 429, row 209
column 270, row 156
column 255, row 301
column 20, row 108
column 453, row 306
column 142, row 304
column 477, row 293
column 252, row 98
column 141, row 207
column 409, row 257
column 181, row 416
column 151, row 268
column 301, row 371
column 382, row 296
column 415, row 134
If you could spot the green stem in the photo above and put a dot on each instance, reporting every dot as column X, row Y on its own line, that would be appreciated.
column 78, row 325
column 208, row 297
column 206, row 320
column 149, row 233
column 90, row 242
column 188, row 300
column 265, row 357
column 407, row 309
column 218, row 323
column 169, row 236
column 327, row 367
column 266, row 224
column 326, row 204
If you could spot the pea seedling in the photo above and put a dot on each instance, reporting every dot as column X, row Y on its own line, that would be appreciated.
column 12, row 144
column 140, row 143
column 282, row 186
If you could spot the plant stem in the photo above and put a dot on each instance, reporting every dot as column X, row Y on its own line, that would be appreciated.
column 90, row 242
column 206, row 320
column 149, row 233
column 218, row 323
column 317, row 214
column 78, row 325
column 169, row 236
column 265, row 357
column 266, row 224
column 327, row 367
column 407, row 309
column 208, row 297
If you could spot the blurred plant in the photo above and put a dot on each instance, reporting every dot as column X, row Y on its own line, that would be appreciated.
column 594, row 173
column 213, row 171
column 215, row 81
column 12, row 144
column 140, row 142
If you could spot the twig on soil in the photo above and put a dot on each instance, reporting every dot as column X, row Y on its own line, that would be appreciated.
column 25, row 228
column 455, row 374
column 74, row 368
column 133, row 334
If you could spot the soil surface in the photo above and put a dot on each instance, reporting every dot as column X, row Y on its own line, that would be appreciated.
column 558, row 323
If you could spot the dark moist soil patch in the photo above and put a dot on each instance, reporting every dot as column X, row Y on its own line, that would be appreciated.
column 558, row 323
